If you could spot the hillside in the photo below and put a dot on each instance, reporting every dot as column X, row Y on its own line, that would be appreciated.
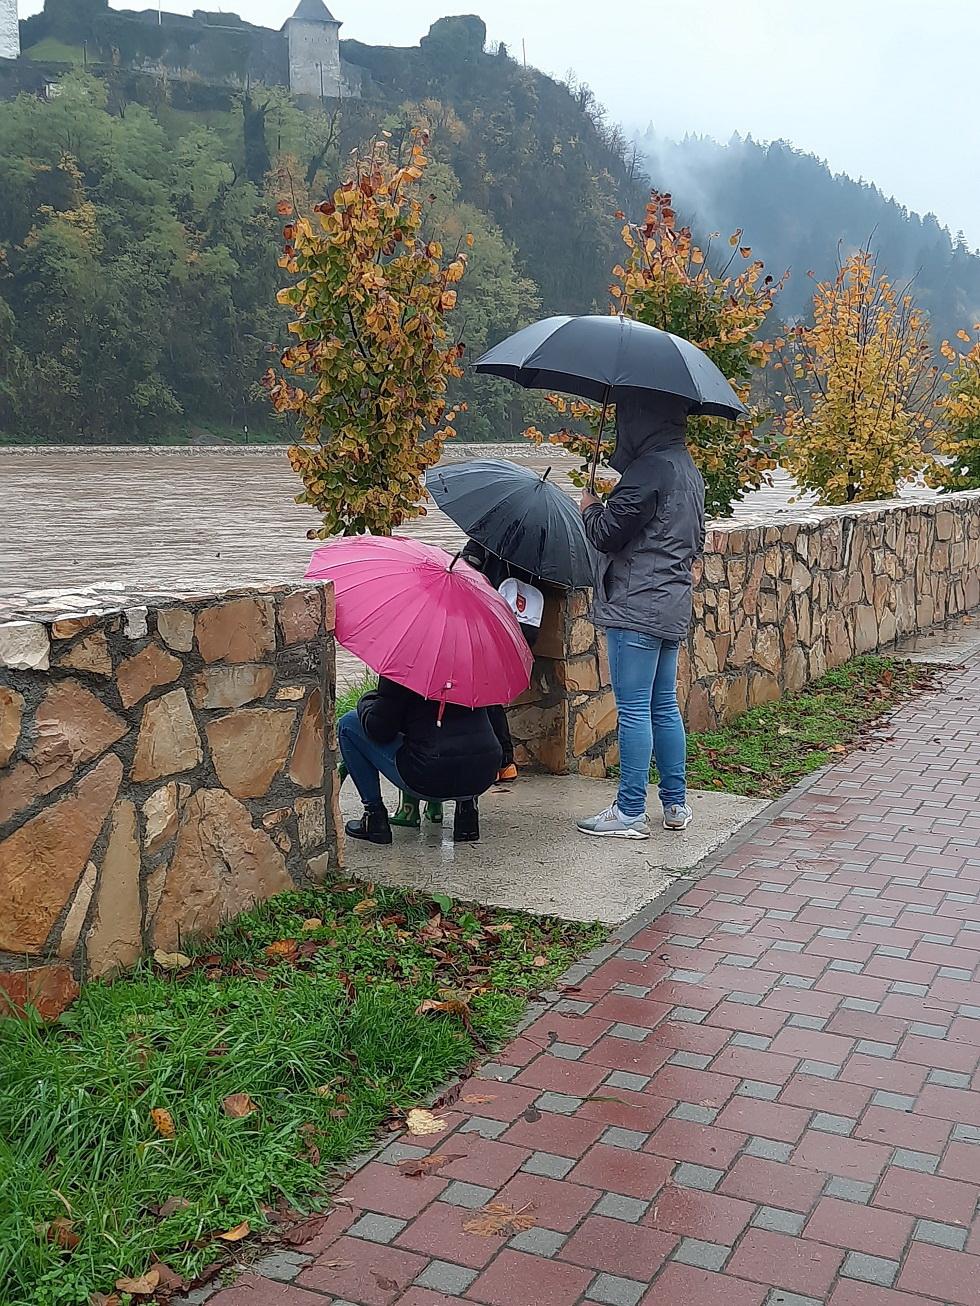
column 796, row 213
column 138, row 237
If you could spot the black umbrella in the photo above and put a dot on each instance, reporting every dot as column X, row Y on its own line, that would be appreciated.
column 517, row 515
column 594, row 357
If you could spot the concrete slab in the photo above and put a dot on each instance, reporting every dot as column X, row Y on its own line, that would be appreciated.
column 531, row 856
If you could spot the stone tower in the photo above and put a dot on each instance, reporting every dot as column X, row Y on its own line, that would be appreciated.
column 314, row 51
column 9, row 30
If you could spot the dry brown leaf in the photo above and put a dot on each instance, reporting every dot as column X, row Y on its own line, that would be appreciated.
column 333, row 1265
column 539, row 962
column 384, row 1283
column 238, row 1106
column 452, row 1007
column 475, row 1099
column 100, row 1299
column 364, row 906
column 61, row 1232
column 141, row 1287
column 428, row 1164
column 498, row 1218
column 171, row 960
column 172, row 1205
column 421, row 1122
column 235, row 1235
column 314, row 923
column 163, row 1122
column 170, row 1280
column 281, row 948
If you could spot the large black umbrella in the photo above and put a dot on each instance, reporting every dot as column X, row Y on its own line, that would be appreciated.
column 596, row 356
column 517, row 515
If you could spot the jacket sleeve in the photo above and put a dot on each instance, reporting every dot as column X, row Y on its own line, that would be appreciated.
column 611, row 526
column 382, row 713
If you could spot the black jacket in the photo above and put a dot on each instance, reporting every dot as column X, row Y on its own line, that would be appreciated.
column 458, row 759
column 652, row 527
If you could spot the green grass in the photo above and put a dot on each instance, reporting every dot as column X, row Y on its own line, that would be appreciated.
column 51, row 50
column 349, row 697
column 326, row 1043
column 769, row 749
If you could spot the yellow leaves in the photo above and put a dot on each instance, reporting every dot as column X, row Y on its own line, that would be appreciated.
column 163, row 1122
column 171, row 960
column 447, row 301
column 143, row 1286
column 422, row 1123
column 235, row 1235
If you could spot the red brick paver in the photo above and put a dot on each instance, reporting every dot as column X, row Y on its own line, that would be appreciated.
column 769, row 1093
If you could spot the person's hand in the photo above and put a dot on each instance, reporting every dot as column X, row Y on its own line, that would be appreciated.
column 587, row 500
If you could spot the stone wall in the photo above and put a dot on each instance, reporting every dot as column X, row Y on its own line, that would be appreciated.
column 782, row 599
column 164, row 763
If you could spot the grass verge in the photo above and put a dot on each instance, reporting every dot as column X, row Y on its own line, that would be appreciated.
column 349, row 697
column 196, row 1101
column 768, row 750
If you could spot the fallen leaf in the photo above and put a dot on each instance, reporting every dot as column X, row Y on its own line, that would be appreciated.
column 428, row 1164
column 477, row 1098
column 170, row 1280
column 333, row 1265
column 238, row 1106
column 61, row 1232
column 498, row 1218
column 171, row 960
column 171, row 1206
column 314, row 923
column 141, row 1287
column 386, row 1285
column 235, row 1235
column 539, row 962
column 163, row 1122
column 364, row 906
column 452, row 1007
column 100, row 1299
column 306, row 1232
column 421, row 1122
column 281, row 948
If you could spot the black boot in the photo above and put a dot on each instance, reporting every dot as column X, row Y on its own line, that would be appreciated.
column 373, row 827
column 466, row 823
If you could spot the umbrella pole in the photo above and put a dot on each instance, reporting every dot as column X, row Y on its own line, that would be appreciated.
column 598, row 443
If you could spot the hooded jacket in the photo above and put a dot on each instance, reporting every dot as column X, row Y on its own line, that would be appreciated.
column 651, row 529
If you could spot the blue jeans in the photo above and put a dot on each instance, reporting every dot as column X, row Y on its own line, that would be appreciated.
column 367, row 761
column 644, row 680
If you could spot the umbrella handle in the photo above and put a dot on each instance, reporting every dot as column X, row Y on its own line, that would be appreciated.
column 598, row 443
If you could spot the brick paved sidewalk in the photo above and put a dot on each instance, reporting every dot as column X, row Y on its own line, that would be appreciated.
column 769, row 1095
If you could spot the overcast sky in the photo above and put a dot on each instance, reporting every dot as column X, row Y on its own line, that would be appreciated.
column 882, row 89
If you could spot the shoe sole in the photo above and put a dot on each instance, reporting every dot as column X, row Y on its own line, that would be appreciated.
column 636, row 835
column 679, row 829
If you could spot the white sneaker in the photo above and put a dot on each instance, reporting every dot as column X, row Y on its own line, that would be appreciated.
column 612, row 824
column 678, row 816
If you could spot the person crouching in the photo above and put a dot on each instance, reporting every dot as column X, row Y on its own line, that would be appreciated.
column 432, row 752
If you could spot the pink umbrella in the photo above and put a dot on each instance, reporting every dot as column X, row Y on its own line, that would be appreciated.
column 425, row 620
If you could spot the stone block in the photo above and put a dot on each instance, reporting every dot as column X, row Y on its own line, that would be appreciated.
column 767, row 651
column 90, row 654
column 168, row 742
column 235, row 685
column 593, row 723
column 698, row 713
column 238, row 630
column 301, row 616
column 41, row 863
column 311, row 818
column 146, row 670
column 24, row 646
column 77, row 912
column 579, row 675
column 763, row 689
column 306, row 763
column 69, row 627
column 175, row 626
column 582, row 637
column 11, row 714
column 249, row 748
column 221, row 865
column 114, row 941
column 161, row 812
column 50, row 989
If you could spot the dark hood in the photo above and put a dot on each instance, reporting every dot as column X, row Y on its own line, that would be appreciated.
column 644, row 424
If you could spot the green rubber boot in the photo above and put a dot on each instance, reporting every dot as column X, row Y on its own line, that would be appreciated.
column 433, row 813
column 342, row 774
column 408, row 817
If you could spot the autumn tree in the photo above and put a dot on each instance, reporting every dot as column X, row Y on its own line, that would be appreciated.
column 368, row 375
column 956, row 437
column 666, row 281
column 860, row 387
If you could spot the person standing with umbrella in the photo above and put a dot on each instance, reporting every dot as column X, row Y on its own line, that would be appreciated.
column 648, row 535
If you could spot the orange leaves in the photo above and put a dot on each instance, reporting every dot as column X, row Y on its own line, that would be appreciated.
column 141, row 1287
column 235, row 1235
column 499, row 1219
column 163, row 1122
column 238, row 1105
